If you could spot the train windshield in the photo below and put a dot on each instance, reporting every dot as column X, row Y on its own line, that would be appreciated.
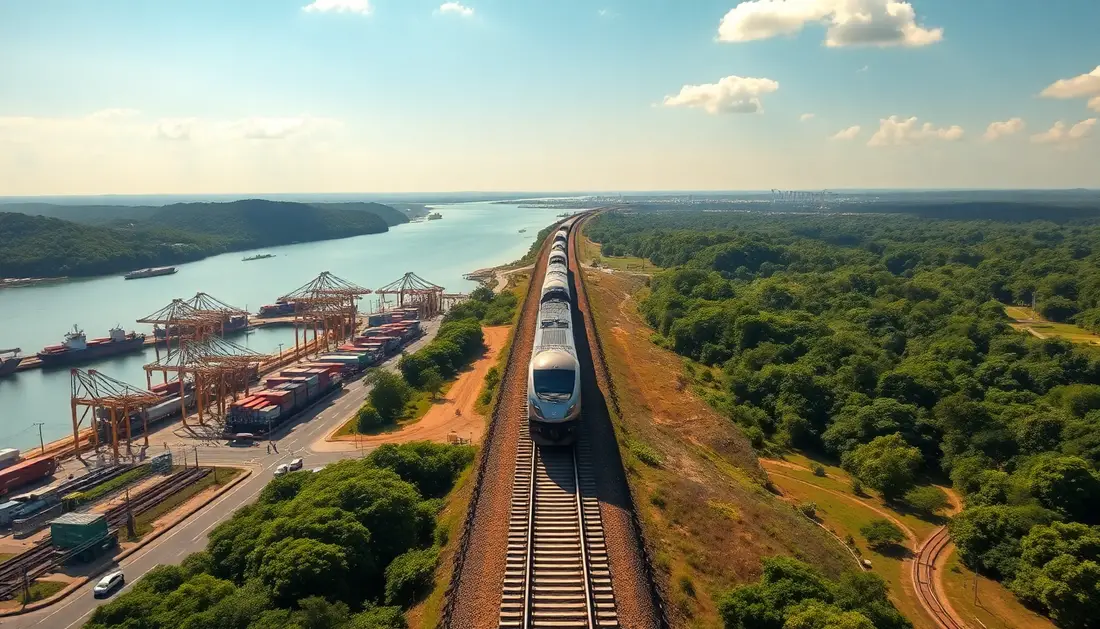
column 554, row 384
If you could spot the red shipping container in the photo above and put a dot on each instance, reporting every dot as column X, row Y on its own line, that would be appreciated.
column 26, row 472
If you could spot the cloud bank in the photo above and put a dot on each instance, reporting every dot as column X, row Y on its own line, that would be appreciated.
column 362, row 7
column 997, row 130
column 850, row 22
column 846, row 134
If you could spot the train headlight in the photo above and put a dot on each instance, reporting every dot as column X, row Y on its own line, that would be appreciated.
column 537, row 411
column 572, row 407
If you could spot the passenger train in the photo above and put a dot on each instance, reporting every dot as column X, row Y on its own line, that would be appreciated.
column 554, row 377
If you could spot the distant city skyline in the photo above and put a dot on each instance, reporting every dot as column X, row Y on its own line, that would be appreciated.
column 410, row 96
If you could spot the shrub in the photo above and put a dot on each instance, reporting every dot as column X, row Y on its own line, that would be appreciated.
column 808, row 509
column 368, row 419
column 857, row 487
column 755, row 437
column 927, row 500
column 881, row 534
column 409, row 576
column 389, row 395
column 646, row 454
column 819, row 471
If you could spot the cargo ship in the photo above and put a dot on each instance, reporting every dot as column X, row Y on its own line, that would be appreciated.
column 261, row 256
column 77, row 348
column 435, row 216
column 233, row 324
column 9, row 361
column 153, row 272
column 281, row 308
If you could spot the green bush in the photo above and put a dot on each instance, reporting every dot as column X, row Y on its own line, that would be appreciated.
column 646, row 454
column 389, row 395
column 367, row 419
column 927, row 500
column 409, row 577
column 881, row 534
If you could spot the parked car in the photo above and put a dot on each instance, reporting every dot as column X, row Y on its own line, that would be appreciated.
column 282, row 469
column 296, row 465
column 108, row 584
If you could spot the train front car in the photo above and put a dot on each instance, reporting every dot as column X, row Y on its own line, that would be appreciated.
column 553, row 380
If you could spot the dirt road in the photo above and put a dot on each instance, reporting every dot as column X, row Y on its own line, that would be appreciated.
column 455, row 413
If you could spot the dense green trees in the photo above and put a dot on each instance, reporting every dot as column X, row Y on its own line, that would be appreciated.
column 311, row 552
column 882, row 534
column 793, row 595
column 456, row 344
column 882, row 341
column 40, row 246
column 485, row 306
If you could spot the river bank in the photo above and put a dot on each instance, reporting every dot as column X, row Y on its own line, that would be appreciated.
column 473, row 236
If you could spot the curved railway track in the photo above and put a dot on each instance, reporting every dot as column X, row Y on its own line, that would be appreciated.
column 924, row 567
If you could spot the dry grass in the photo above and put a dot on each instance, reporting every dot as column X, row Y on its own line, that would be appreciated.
column 995, row 607
column 1027, row 320
column 427, row 613
column 591, row 252
column 707, row 516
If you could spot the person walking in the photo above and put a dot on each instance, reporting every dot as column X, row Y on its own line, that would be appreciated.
column 269, row 448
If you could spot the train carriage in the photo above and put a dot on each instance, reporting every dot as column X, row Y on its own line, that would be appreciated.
column 553, row 380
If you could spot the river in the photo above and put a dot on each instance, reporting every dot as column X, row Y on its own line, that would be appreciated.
column 470, row 236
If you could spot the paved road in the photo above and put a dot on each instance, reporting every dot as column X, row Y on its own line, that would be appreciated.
column 190, row 535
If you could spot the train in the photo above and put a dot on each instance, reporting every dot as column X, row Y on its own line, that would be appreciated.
column 554, row 376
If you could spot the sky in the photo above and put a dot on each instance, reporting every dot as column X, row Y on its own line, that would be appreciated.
column 295, row 96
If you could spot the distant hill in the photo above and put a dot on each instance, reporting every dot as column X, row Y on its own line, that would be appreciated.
column 123, row 214
column 391, row 215
column 42, row 246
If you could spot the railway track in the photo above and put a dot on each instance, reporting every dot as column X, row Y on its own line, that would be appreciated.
column 557, row 572
column 44, row 557
column 924, row 579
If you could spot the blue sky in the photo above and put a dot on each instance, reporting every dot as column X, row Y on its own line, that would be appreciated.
column 253, row 96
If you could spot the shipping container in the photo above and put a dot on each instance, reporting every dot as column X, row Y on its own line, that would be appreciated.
column 8, row 456
column 73, row 530
column 24, row 472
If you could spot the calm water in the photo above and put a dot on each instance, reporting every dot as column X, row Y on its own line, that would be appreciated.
column 470, row 236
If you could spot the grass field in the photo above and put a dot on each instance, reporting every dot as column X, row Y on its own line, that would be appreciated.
column 844, row 518
column 995, row 607
column 41, row 590
column 592, row 252
column 696, row 481
column 415, row 410
column 144, row 523
column 1027, row 319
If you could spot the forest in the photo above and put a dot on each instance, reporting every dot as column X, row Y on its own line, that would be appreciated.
column 880, row 341
column 347, row 547
column 39, row 246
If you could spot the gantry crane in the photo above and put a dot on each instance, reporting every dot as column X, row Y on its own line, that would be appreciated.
column 112, row 402
column 413, row 291
column 329, row 306
column 219, row 370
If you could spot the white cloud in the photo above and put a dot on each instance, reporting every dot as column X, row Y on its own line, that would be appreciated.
column 1060, row 134
column 846, row 134
column 262, row 128
column 850, row 22
column 806, row 117
column 894, row 131
column 732, row 94
column 456, row 8
column 1094, row 103
column 608, row 13
column 864, row 68
column 999, row 129
column 1079, row 86
column 176, row 128
column 362, row 7
column 113, row 114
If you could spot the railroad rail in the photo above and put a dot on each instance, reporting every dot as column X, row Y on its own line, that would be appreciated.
column 44, row 557
column 924, row 579
column 557, row 572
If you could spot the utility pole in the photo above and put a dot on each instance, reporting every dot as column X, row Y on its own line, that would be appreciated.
column 26, row 587
column 196, row 456
column 41, row 442
column 129, row 517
